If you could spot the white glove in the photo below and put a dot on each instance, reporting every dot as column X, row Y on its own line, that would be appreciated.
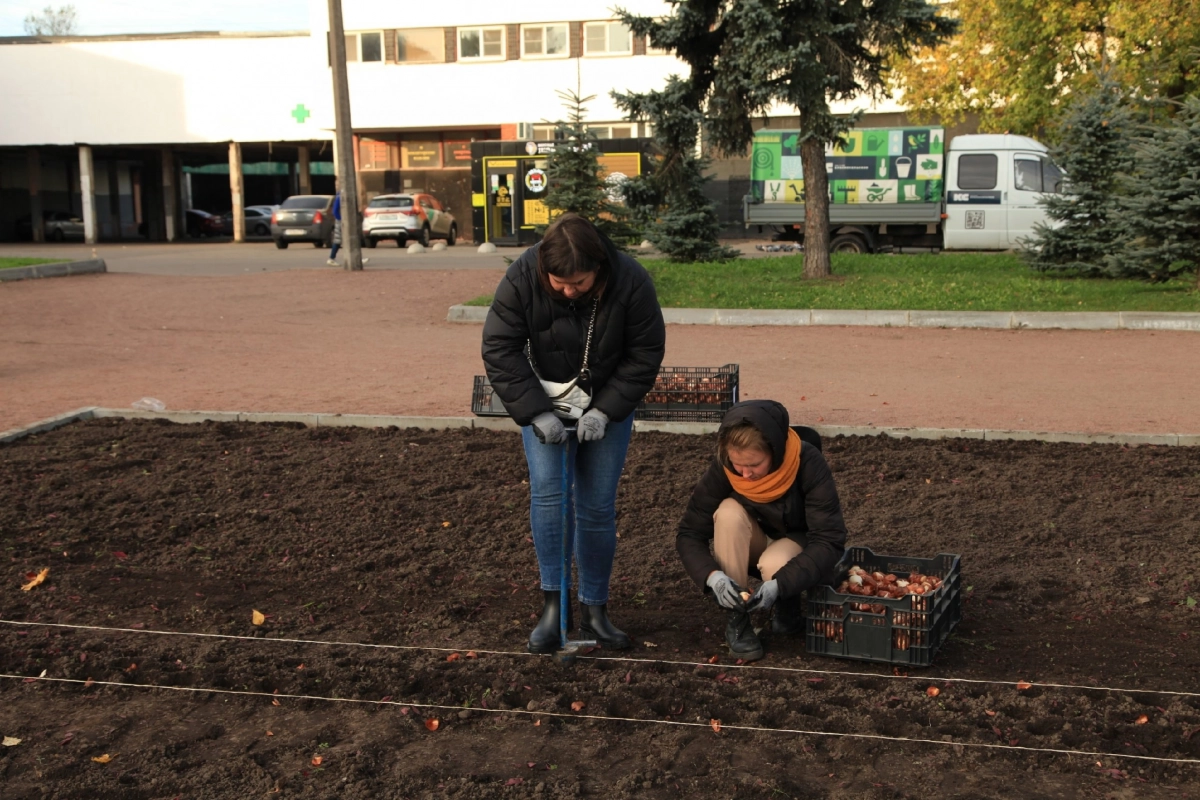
column 549, row 428
column 591, row 425
column 728, row 593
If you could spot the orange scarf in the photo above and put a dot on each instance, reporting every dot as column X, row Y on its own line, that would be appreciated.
column 774, row 485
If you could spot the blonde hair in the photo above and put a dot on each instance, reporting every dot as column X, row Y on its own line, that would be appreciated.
column 743, row 436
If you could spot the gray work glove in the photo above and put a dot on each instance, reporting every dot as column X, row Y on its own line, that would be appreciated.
column 549, row 428
column 765, row 597
column 728, row 593
column 591, row 425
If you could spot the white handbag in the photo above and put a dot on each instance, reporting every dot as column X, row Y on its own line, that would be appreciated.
column 569, row 399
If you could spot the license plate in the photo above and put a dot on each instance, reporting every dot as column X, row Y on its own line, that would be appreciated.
column 388, row 216
column 295, row 232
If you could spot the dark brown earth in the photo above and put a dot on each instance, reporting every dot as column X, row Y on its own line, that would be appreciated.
column 1079, row 565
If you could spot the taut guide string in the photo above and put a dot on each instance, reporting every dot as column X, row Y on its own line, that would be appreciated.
column 596, row 717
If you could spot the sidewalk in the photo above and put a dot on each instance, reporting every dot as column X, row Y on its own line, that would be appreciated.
column 377, row 342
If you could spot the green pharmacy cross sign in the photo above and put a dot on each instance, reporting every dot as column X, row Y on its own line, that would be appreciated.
column 301, row 113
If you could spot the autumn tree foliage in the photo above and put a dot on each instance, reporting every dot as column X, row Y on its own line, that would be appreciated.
column 1017, row 63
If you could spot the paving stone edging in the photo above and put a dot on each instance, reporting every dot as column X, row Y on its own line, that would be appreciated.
column 506, row 424
column 56, row 270
column 1004, row 320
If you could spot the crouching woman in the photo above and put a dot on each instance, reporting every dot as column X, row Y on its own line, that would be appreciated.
column 768, row 507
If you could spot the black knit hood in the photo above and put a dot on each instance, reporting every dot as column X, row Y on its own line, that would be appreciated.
column 771, row 419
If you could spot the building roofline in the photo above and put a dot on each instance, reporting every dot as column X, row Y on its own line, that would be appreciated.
column 138, row 37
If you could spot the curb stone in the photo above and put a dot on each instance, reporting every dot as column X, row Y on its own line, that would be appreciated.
column 506, row 424
column 56, row 270
column 992, row 320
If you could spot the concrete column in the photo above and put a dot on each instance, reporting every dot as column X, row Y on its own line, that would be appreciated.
column 304, row 170
column 33, row 161
column 87, row 193
column 170, row 195
column 237, row 189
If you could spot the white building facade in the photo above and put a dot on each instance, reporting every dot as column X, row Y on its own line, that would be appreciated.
column 130, row 131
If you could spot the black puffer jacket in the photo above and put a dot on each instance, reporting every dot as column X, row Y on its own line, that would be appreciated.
column 809, row 513
column 627, row 344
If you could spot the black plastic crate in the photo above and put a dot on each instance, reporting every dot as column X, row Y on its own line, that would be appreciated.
column 909, row 631
column 680, row 394
column 691, row 394
column 484, row 402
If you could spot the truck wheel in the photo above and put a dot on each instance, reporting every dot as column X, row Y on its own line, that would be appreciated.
column 848, row 243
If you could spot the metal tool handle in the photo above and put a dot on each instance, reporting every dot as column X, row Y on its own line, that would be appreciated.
column 567, row 524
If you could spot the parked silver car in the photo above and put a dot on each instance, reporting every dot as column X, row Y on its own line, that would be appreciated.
column 304, row 218
column 57, row 226
column 408, row 217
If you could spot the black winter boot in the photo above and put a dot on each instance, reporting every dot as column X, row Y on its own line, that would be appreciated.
column 547, row 636
column 740, row 635
column 594, row 624
column 788, row 619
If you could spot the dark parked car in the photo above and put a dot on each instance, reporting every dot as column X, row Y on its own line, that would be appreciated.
column 304, row 218
column 58, row 226
column 201, row 223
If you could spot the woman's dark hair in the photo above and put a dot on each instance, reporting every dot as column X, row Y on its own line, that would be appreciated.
column 570, row 246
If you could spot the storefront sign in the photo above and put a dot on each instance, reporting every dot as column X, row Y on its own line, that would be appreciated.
column 456, row 154
column 421, row 155
column 535, row 180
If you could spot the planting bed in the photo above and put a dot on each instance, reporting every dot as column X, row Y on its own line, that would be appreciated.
column 1078, row 563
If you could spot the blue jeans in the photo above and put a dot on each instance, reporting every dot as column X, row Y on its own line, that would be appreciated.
column 597, row 470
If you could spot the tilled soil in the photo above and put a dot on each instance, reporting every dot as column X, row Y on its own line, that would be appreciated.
column 402, row 559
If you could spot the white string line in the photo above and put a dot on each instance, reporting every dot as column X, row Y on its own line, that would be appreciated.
column 602, row 718
column 627, row 659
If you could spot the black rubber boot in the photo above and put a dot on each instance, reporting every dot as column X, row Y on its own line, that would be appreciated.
column 547, row 636
column 788, row 619
column 742, row 640
column 594, row 624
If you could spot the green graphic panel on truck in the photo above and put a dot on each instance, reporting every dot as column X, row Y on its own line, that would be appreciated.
column 873, row 165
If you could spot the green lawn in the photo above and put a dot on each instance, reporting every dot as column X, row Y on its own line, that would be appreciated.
column 9, row 263
column 942, row 282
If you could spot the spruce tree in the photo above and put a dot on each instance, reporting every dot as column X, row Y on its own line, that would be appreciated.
column 669, row 201
column 1095, row 147
column 747, row 56
column 576, row 182
column 1160, row 211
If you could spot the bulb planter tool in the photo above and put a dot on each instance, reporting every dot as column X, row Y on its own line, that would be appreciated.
column 568, row 649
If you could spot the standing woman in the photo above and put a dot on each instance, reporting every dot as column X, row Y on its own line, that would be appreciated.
column 768, row 507
column 573, row 306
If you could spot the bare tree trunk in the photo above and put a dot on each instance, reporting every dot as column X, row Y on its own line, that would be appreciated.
column 816, row 210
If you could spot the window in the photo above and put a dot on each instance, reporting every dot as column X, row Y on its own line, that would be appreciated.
column 607, row 38
column 613, row 131
column 1052, row 177
column 1027, row 174
column 545, row 133
column 977, row 171
column 420, row 46
column 480, row 43
column 544, row 41
column 370, row 47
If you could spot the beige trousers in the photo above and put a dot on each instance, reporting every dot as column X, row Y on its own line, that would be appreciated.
column 738, row 541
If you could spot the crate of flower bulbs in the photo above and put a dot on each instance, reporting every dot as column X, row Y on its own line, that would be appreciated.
column 691, row 394
column 894, row 610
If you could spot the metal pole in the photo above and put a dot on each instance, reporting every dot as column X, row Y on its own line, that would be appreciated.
column 348, row 183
